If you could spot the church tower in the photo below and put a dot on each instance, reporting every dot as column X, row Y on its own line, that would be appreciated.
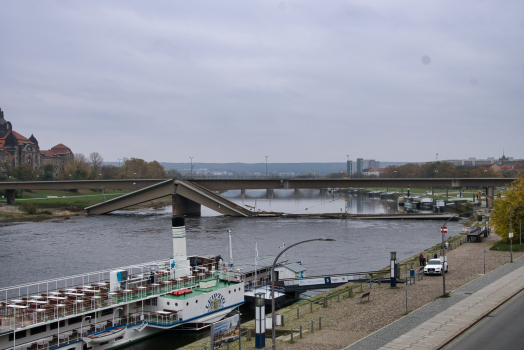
column 5, row 126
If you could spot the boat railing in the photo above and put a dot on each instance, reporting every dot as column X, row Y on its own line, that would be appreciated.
column 23, row 311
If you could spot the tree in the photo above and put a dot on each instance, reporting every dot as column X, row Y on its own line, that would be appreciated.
column 110, row 172
column 24, row 172
column 134, row 168
column 155, row 171
column 76, row 168
column 173, row 173
column 502, row 208
column 95, row 160
column 48, row 172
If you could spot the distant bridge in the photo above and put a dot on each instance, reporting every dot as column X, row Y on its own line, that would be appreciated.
column 189, row 195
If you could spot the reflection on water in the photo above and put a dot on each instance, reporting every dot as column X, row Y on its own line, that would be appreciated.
column 311, row 201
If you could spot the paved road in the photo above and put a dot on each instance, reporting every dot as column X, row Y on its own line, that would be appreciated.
column 502, row 329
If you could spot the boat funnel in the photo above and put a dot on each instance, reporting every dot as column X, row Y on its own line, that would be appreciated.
column 179, row 237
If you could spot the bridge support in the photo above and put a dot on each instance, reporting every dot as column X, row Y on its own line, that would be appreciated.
column 269, row 193
column 10, row 196
column 185, row 207
column 490, row 194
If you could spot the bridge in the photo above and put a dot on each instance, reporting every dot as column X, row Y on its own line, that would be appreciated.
column 189, row 195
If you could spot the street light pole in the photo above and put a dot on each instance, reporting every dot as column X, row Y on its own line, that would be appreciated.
column 511, row 230
column 266, row 166
column 273, row 331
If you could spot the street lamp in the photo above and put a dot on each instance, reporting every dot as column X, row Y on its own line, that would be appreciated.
column 191, row 170
column 113, row 324
column 511, row 230
column 273, row 332
column 444, row 251
column 266, row 165
column 81, row 328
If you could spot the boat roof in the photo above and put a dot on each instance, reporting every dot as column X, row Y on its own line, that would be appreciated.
column 295, row 267
column 248, row 265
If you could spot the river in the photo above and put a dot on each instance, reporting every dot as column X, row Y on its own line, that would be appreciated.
column 34, row 251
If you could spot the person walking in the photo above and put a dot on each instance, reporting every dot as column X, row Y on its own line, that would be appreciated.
column 421, row 259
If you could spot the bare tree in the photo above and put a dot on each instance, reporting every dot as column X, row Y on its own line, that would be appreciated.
column 95, row 160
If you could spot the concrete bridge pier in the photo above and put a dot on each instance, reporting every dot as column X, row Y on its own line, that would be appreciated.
column 10, row 196
column 185, row 207
column 490, row 194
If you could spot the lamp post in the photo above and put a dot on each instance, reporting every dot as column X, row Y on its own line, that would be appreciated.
column 444, row 251
column 191, row 169
column 81, row 327
column 266, row 165
column 273, row 332
column 113, row 324
column 511, row 230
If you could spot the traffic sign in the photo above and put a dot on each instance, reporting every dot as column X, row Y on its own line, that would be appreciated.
column 443, row 229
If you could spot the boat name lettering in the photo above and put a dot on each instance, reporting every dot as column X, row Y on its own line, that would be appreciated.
column 215, row 302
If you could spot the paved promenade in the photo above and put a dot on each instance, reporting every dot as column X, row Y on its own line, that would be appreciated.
column 437, row 323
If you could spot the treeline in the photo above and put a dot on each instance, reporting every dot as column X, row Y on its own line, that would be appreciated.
column 440, row 169
column 90, row 168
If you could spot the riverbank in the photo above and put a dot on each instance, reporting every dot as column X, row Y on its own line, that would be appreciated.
column 346, row 321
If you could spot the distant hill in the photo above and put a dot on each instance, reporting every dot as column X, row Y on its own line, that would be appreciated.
column 296, row 168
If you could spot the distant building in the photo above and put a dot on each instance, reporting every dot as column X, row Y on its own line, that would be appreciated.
column 374, row 172
column 16, row 149
column 349, row 167
column 360, row 162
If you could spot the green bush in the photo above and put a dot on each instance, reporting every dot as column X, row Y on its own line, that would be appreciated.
column 29, row 208
column 46, row 212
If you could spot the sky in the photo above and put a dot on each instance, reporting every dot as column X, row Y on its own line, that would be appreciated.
column 297, row 81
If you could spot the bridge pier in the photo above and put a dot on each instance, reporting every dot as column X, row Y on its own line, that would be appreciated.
column 185, row 207
column 490, row 194
column 269, row 193
column 10, row 196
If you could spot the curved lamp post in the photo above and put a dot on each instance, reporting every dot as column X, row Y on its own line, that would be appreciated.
column 444, row 250
column 511, row 230
column 273, row 332
column 82, row 327
column 113, row 324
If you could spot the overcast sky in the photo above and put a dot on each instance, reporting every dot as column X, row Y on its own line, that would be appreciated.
column 235, row 81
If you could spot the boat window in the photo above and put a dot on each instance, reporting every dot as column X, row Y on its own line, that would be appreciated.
column 196, row 301
column 107, row 312
column 55, row 325
column 154, row 301
column 75, row 320
column 148, row 302
column 19, row 334
column 138, row 304
column 168, row 303
column 39, row 329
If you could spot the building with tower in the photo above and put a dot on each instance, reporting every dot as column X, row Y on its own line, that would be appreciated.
column 16, row 149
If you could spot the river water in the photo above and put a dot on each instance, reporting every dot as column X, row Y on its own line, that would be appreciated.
column 33, row 251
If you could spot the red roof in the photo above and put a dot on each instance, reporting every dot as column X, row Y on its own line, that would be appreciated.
column 20, row 139
column 60, row 148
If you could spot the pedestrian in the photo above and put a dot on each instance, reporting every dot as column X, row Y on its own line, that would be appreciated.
column 435, row 256
column 420, row 259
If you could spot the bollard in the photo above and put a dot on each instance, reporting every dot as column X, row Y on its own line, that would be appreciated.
column 370, row 283
column 361, row 287
column 338, row 297
column 298, row 313
column 325, row 303
column 379, row 279
column 300, row 331
column 292, row 336
column 249, row 335
column 312, row 327
column 282, row 320
column 319, row 323
column 310, row 307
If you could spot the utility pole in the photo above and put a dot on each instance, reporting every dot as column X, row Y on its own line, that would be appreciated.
column 266, row 166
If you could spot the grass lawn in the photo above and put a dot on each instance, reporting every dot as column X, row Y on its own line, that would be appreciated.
column 501, row 246
column 80, row 199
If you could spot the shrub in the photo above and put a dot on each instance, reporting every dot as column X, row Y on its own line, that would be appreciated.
column 46, row 212
column 29, row 208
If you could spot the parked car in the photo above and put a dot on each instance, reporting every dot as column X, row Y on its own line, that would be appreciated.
column 434, row 267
